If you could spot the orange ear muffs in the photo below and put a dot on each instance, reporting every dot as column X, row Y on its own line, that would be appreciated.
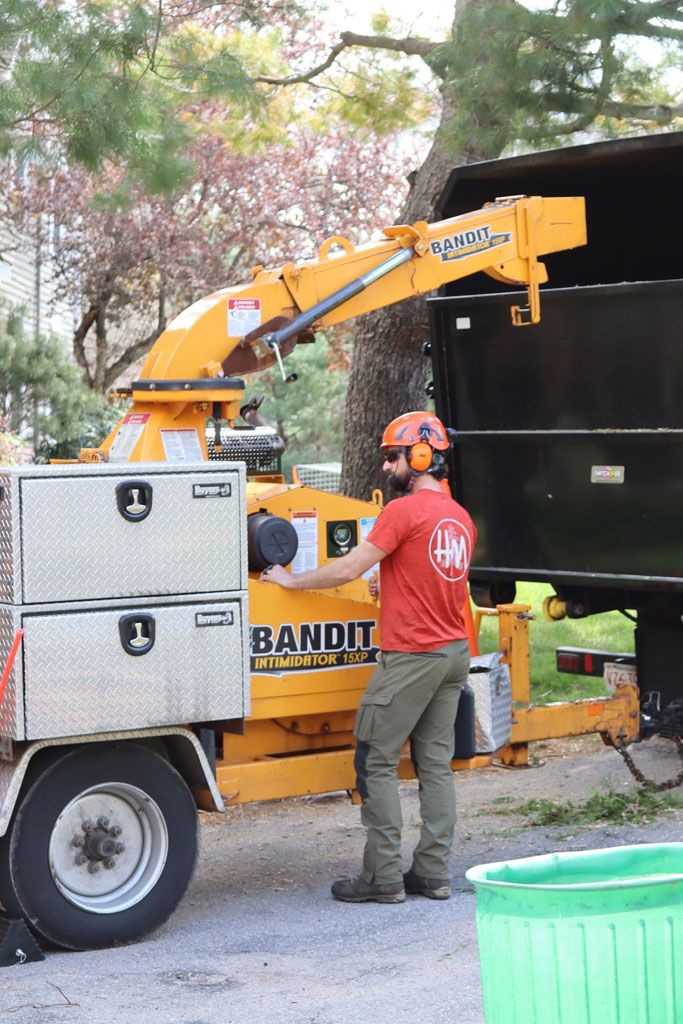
column 420, row 457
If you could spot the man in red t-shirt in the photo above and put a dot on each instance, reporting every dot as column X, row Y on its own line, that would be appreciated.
column 424, row 544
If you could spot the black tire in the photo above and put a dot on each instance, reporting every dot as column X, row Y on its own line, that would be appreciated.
column 101, row 848
column 491, row 593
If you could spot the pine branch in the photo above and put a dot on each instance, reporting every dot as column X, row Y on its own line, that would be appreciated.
column 668, row 9
column 587, row 110
column 646, row 31
column 662, row 113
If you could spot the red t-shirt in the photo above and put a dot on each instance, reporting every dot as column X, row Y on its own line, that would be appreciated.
column 428, row 538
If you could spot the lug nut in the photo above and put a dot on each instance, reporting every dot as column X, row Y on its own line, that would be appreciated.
column 109, row 862
column 120, row 847
column 115, row 830
column 78, row 841
column 94, row 867
column 103, row 822
column 87, row 825
column 80, row 858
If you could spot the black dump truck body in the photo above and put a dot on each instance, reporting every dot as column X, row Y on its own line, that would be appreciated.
column 569, row 452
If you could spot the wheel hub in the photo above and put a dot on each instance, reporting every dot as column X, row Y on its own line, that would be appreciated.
column 116, row 827
column 100, row 844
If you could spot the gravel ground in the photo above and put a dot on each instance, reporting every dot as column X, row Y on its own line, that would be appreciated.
column 259, row 939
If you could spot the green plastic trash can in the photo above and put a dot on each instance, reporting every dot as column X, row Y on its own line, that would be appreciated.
column 594, row 937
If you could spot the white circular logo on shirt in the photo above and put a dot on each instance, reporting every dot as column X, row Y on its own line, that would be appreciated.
column 450, row 550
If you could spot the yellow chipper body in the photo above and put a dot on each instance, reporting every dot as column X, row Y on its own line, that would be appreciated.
column 311, row 653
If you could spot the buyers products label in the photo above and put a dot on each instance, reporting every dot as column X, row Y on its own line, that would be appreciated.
column 211, row 491
column 311, row 646
column 468, row 243
column 217, row 618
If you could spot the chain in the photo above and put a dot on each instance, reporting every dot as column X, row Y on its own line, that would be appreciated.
column 638, row 775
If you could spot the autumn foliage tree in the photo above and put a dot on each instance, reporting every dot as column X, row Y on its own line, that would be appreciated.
column 136, row 258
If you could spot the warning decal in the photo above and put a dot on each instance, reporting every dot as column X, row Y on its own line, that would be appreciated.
column 127, row 436
column 306, row 526
column 244, row 316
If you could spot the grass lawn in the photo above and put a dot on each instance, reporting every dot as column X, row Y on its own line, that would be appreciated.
column 610, row 631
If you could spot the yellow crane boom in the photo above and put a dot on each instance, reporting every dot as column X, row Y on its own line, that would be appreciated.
column 191, row 370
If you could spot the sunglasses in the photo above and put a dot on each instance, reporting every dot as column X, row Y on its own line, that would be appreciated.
column 392, row 456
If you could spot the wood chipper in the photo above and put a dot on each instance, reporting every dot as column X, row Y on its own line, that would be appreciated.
column 147, row 671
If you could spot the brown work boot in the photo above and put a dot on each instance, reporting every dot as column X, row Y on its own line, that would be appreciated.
column 357, row 890
column 434, row 888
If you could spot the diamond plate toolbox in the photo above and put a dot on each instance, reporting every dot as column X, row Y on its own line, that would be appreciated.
column 490, row 682
column 97, row 531
column 126, row 666
column 131, row 591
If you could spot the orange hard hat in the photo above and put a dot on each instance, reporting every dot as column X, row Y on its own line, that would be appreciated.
column 414, row 427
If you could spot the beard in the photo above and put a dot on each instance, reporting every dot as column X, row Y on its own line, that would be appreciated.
column 401, row 482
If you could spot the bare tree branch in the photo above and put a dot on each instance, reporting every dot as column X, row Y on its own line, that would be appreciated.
column 305, row 76
column 133, row 352
column 410, row 45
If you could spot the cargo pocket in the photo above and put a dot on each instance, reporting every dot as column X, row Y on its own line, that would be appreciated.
column 365, row 716
column 363, row 729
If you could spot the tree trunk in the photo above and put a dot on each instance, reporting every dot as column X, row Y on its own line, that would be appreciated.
column 389, row 372
column 100, row 349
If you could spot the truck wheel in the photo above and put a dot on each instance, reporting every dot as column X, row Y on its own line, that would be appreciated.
column 101, row 848
column 491, row 593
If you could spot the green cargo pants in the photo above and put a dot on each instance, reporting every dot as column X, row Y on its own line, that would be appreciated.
column 416, row 696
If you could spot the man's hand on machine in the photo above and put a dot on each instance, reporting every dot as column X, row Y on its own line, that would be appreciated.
column 332, row 574
column 276, row 574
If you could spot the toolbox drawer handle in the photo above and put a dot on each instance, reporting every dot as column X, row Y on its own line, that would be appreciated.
column 137, row 633
column 134, row 499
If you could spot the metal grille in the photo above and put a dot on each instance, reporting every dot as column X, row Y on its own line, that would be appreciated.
column 324, row 476
column 259, row 448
